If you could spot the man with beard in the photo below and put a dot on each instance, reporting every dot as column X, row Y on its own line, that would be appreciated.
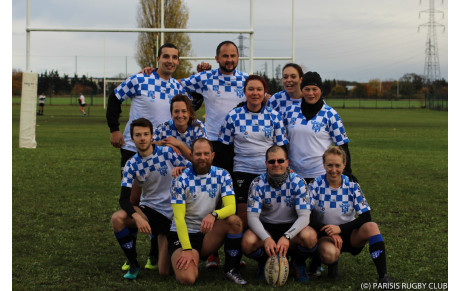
column 198, row 228
column 150, row 95
column 222, row 90
column 151, row 168
column 278, row 216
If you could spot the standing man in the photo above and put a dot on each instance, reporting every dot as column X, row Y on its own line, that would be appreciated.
column 150, row 98
column 199, row 228
column 222, row 90
column 82, row 103
column 151, row 168
column 41, row 103
column 278, row 216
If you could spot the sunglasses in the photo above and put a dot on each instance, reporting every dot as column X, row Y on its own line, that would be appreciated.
column 280, row 161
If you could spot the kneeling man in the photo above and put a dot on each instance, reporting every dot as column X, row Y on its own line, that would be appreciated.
column 278, row 216
column 198, row 229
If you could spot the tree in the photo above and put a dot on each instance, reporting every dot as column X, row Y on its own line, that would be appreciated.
column 176, row 16
column 338, row 91
column 17, row 82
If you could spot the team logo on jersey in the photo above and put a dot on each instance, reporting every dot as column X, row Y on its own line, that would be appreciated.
column 239, row 92
column 268, row 131
column 212, row 192
column 244, row 131
column 289, row 201
column 317, row 125
column 151, row 95
column 268, row 202
column 215, row 88
column 193, row 193
column 292, row 123
column 344, row 207
column 251, row 202
column 321, row 206
column 163, row 170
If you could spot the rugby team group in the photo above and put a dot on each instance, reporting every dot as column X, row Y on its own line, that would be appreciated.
column 263, row 176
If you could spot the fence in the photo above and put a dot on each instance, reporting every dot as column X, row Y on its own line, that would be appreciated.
column 437, row 101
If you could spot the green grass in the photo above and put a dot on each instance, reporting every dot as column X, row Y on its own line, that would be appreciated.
column 65, row 191
column 335, row 102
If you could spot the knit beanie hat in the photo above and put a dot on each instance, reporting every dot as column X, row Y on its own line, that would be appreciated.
column 311, row 78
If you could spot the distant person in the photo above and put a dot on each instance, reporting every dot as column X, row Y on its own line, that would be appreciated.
column 41, row 103
column 150, row 98
column 199, row 228
column 82, row 103
column 278, row 216
column 152, row 168
column 291, row 95
column 251, row 129
column 336, row 200
column 182, row 129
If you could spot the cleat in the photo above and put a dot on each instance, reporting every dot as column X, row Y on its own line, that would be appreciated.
column 152, row 264
column 242, row 264
column 235, row 276
column 212, row 263
column 261, row 272
column 333, row 271
column 314, row 269
column 301, row 273
column 132, row 273
column 125, row 266
column 385, row 279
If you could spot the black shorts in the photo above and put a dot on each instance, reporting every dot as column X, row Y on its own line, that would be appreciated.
column 196, row 240
column 159, row 223
column 125, row 156
column 41, row 104
column 83, row 105
column 346, row 245
column 276, row 231
column 241, row 183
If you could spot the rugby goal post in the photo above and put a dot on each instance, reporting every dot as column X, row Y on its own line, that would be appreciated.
column 28, row 117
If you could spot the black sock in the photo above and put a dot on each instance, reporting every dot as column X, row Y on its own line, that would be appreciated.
column 233, row 253
column 153, row 246
column 127, row 241
column 377, row 251
column 302, row 254
column 259, row 255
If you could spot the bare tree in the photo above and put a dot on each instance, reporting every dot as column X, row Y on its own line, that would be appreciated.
column 176, row 16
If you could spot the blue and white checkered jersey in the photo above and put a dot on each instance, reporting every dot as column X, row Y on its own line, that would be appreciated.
column 278, row 205
column 252, row 134
column 221, row 94
column 150, row 98
column 281, row 100
column 336, row 206
column 168, row 128
column 308, row 140
column 153, row 174
column 200, row 194
column 41, row 99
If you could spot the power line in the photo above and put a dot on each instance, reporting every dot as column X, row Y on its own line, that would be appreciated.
column 432, row 69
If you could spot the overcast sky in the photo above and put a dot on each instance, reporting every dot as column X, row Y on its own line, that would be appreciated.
column 348, row 40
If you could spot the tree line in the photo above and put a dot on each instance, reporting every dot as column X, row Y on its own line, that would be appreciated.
column 409, row 86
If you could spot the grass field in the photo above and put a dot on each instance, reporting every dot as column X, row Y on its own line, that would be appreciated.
column 335, row 102
column 65, row 191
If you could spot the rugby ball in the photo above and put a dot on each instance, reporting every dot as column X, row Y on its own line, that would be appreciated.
column 276, row 271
